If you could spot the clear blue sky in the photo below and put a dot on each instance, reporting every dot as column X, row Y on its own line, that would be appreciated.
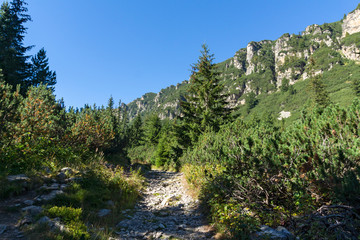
column 127, row 48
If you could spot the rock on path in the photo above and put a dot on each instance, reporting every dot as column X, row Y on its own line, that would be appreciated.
column 165, row 212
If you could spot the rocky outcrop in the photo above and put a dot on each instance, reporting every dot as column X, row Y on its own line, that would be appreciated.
column 252, row 50
column 280, row 49
column 351, row 24
column 237, row 61
column 312, row 29
column 285, row 58
column 351, row 52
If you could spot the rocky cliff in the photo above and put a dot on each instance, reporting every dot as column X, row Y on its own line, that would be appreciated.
column 264, row 67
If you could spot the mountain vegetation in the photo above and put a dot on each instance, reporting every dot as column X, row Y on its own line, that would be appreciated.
column 267, row 137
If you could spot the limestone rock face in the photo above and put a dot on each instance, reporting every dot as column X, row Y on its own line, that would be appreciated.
column 312, row 29
column 351, row 52
column 237, row 63
column 281, row 46
column 351, row 23
column 251, row 50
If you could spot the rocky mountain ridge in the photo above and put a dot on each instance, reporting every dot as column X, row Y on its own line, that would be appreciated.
column 264, row 67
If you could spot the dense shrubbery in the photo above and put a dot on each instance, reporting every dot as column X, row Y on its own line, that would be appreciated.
column 36, row 130
column 274, row 174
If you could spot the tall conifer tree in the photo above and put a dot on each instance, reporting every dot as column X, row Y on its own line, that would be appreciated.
column 40, row 70
column 205, row 104
column 13, row 58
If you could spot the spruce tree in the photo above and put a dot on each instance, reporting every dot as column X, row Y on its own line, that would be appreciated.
column 205, row 104
column 319, row 94
column 136, row 131
column 152, row 129
column 356, row 86
column 40, row 71
column 13, row 58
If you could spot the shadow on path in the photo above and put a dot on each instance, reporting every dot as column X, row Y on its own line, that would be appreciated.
column 165, row 212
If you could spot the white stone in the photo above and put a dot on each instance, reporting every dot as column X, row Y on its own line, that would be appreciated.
column 284, row 114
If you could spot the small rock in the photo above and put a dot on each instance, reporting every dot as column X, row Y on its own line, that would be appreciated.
column 161, row 226
column 104, row 212
column 157, row 235
column 123, row 224
column 24, row 221
column 45, row 220
column 67, row 170
column 285, row 232
column 51, row 195
column 32, row 210
column 3, row 228
column 63, row 186
column 53, row 186
column 29, row 202
column 61, row 176
column 59, row 226
column 110, row 203
column 19, row 177
column 269, row 233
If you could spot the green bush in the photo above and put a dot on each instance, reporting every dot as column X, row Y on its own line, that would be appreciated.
column 279, row 173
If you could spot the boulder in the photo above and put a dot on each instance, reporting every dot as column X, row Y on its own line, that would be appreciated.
column 29, row 202
column 32, row 210
column 19, row 177
column 103, row 212
column 45, row 220
column 51, row 195
column 61, row 176
column 267, row 232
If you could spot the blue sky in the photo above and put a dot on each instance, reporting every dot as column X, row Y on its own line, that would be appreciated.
column 127, row 48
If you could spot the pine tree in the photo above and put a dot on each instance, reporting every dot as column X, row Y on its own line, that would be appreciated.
column 356, row 86
column 40, row 71
column 205, row 105
column 136, row 131
column 152, row 129
column 319, row 94
column 13, row 58
column 250, row 101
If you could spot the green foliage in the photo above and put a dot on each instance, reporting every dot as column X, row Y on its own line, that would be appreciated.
column 285, row 85
column 356, row 86
column 41, row 74
column 205, row 105
column 13, row 60
column 292, row 62
column 136, row 131
column 319, row 93
column 325, row 58
column 250, row 101
column 352, row 39
column 76, row 229
column 152, row 129
column 168, row 151
column 287, row 171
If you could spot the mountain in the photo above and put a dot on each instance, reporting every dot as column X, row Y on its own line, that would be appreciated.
column 278, row 72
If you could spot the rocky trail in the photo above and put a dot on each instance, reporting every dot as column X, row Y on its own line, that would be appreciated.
column 166, row 211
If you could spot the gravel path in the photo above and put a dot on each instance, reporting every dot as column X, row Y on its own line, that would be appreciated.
column 165, row 212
